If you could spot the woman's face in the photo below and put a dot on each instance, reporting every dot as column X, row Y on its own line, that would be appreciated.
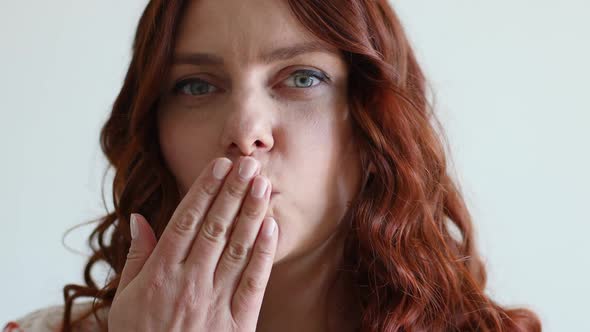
column 248, row 79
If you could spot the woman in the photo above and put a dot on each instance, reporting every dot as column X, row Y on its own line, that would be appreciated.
column 285, row 136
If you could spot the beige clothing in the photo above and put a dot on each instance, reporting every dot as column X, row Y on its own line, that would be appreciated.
column 49, row 319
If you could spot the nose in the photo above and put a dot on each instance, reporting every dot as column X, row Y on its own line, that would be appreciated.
column 248, row 125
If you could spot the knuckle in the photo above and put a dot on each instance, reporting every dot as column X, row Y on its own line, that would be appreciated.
column 265, row 253
column 253, row 284
column 213, row 229
column 234, row 190
column 251, row 211
column 208, row 189
column 187, row 220
column 237, row 251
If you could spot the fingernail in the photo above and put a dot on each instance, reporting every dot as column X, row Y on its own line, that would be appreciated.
column 269, row 226
column 259, row 187
column 221, row 168
column 134, row 228
column 247, row 168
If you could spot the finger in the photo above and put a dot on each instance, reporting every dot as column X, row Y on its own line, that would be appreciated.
column 214, row 232
column 177, row 238
column 247, row 299
column 237, row 252
column 143, row 242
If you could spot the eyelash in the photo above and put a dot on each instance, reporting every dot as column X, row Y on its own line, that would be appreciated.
column 323, row 78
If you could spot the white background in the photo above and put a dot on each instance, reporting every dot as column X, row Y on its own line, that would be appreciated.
column 512, row 85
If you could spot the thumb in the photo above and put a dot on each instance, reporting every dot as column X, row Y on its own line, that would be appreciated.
column 143, row 242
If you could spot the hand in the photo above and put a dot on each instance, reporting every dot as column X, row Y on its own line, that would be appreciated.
column 198, row 276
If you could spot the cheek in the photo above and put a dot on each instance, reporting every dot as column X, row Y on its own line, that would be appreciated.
column 184, row 154
column 324, row 174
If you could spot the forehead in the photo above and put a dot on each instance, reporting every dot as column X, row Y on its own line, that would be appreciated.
column 241, row 29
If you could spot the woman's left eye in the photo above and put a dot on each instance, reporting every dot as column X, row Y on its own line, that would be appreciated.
column 300, row 79
column 306, row 79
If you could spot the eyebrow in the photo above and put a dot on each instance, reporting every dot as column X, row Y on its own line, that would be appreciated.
column 280, row 54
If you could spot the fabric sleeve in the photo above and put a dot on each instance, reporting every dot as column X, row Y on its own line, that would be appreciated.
column 49, row 319
column 42, row 320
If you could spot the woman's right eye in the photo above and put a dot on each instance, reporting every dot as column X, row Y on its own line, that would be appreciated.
column 193, row 87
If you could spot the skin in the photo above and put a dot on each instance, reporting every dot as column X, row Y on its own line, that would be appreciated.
column 296, row 126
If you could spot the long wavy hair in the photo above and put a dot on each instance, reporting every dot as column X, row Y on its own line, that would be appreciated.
column 411, row 241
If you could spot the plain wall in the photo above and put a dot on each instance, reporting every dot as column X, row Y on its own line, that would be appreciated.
column 511, row 80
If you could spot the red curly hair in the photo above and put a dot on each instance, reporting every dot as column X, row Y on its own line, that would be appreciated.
column 410, row 244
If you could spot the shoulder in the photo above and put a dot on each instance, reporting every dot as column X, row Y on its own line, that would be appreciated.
column 49, row 319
